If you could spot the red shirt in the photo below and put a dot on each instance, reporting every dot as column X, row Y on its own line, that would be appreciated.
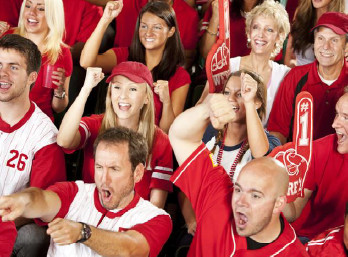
column 327, row 244
column 209, row 189
column 42, row 96
column 238, row 38
column 158, row 170
column 327, row 177
column 81, row 18
column 8, row 234
column 324, row 97
column 9, row 11
column 180, row 78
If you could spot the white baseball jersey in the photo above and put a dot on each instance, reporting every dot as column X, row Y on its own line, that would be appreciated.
column 80, row 203
column 18, row 146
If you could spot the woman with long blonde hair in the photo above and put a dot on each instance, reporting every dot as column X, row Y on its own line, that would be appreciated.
column 129, row 103
column 42, row 21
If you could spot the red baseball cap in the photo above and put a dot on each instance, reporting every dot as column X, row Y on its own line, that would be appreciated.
column 135, row 71
column 336, row 21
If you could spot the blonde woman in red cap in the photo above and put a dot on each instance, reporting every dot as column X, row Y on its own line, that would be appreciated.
column 129, row 103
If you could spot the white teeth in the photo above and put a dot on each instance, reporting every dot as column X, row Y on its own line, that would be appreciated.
column 5, row 85
column 31, row 20
column 260, row 42
column 235, row 108
column 123, row 105
column 339, row 133
column 150, row 39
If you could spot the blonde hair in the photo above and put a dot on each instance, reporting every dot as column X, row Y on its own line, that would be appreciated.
column 273, row 10
column 53, row 42
column 146, row 120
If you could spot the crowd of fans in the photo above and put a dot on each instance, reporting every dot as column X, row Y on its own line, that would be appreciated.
column 112, row 145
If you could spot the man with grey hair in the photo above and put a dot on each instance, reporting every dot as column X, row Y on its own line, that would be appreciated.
column 324, row 79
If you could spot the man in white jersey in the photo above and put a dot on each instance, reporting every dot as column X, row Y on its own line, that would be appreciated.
column 107, row 218
column 29, row 155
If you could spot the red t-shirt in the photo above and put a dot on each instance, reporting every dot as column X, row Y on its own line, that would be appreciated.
column 209, row 190
column 81, row 18
column 327, row 177
column 324, row 97
column 158, row 170
column 180, row 78
column 238, row 38
column 8, row 234
column 9, row 11
column 327, row 244
column 43, row 96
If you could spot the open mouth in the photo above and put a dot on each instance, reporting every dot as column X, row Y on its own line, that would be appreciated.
column 149, row 39
column 241, row 220
column 32, row 21
column 260, row 42
column 106, row 195
column 124, row 106
column 235, row 108
column 5, row 85
column 340, row 137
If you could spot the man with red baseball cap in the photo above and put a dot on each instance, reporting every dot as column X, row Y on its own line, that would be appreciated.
column 325, row 79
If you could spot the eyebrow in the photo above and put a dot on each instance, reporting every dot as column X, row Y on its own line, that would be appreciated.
column 252, row 190
column 32, row 2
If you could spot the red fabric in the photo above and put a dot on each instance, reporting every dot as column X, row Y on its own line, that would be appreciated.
column 327, row 177
column 156, row 231
column 238, row 38
column 291, row 6
column 327, row 244
column 126, row 21
column 324, row 97
column 8, row 234
column 9, row 11
column 209, row 189
column 180, row 78
column 81, row 18
column 187, row 18
column 43, row 96
column 48, row 167
column 161, row 161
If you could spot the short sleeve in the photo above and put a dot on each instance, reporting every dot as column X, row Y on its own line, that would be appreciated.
column 179, row 79
column 156, row 231
column 48, row 167
column 121, row 53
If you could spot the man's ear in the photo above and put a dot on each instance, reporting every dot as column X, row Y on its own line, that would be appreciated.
column 139, row 172
column 32, row 77
column 280, row 204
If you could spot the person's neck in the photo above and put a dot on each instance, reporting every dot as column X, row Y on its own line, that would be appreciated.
column 153, row 58
column 37, row 38
column 321, row 11
column 235, row 134
column 248, row 5
column 258, row 63
column 131, row 123
column 270, row 233
column 331, row 72
column 12, row 112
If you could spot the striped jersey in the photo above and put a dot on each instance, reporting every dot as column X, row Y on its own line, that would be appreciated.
column 28, row 152
column 80, row 203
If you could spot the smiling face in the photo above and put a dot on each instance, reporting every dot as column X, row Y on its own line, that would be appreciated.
column 329, row 48
column 128, row 98
column 263, row 34
column 321, row 4
column 340, row 124
column 14, row 80
column 233, row 94
column 114, row 177
column 154, row 32
column 34, row 16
